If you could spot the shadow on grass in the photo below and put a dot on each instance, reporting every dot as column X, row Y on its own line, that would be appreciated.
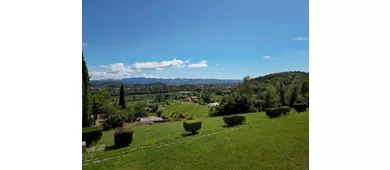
column 229, row 126
column 112, row 147
column 189, row 134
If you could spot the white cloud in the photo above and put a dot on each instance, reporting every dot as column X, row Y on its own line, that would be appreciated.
column 217, row 65
column 117, row 68
column 300, row 38
column 157, row 65
column 85, row 44
column 198, row 65
column 120, row 70
column 266, row 57
column 97, row 75
column 149, row 76
column 112, row 71
column 186, row 61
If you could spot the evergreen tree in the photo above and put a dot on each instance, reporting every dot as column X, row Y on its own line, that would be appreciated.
column 86, row 96
column 122, row 101
column 293, row 94
column 281, row 94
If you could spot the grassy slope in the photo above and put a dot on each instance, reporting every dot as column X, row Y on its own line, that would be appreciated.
column 190, row 109
column 259, row 144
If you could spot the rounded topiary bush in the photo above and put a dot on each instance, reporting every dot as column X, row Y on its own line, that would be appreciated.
column 285, row 109
column 92, row 134
column 192, row 125
column 300, row 107
column 123, row 137
column 273, row 112
column 232, row 120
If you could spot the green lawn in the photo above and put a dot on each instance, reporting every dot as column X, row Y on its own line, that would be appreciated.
column 190, row 109
column 261, row 143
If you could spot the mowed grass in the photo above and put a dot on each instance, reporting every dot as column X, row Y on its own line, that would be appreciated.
column 261, row 143
column 151, row 134
column 190, row 109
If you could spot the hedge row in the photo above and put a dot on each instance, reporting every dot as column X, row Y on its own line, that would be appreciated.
column 123, row 137
column 274, row 112
column 92, row 134
column 192, row 125
column 233, row 120
column 300, row 107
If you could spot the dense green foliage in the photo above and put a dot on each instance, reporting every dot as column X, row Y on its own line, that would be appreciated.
column 92, row 135
column 281, row 90
column 122, row 101
column 98, row 100
column 271, row 98
column 86, row 96
column 232, row 120
column 192, row 125
column 123, row 137
column 300, row 107
column 273, row 112
column 285, row 109
column 256, row 94
column 113, row 121
column 139, row 109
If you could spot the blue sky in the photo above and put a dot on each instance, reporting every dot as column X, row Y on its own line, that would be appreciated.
column 226, row 39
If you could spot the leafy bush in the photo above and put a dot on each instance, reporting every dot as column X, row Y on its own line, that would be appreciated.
column 273, row 112
column 123, row 137
column 285, row 109
column 113, row 121
column 271, row 98
column 192, row 125
column 139, row 110
column 232, row 120
column 300, row 107
column 92, row 134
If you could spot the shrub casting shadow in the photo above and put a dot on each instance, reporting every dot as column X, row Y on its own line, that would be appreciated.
column 274, row 117
column 229, row 126
column 189, row 134
column 113, row 147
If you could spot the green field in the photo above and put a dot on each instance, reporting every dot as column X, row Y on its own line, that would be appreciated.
column 261, row 143
column 190, row 109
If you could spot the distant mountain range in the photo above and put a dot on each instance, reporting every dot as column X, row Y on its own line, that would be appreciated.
column 142, row 80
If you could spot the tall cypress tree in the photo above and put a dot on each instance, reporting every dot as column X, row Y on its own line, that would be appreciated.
column 87, row 106
column 122, row 101
column 281, row 94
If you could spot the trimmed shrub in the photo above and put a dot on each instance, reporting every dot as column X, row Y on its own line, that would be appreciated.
column 300, row 107
column 192, row 125
column 273, row 112
column 92, row 134
column 123, row 137
column 113, row 121
column 232, row 120
column 285, row 109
